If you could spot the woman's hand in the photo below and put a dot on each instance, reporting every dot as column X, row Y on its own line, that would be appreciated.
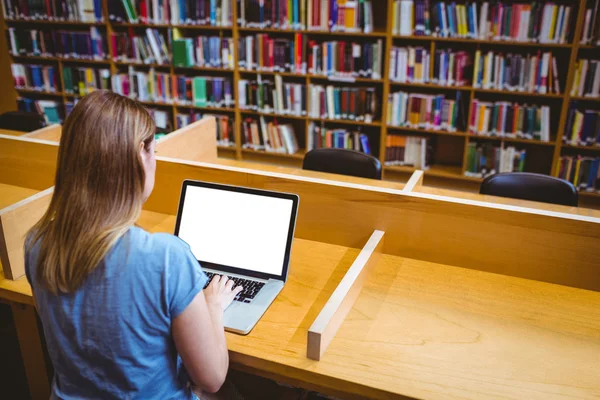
column 220, row 292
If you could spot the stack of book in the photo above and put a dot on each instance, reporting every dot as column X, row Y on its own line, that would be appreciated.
column 263, row 53
column 203, row 51
column 150, row 48
column 202, row 91
column 224, row 125
column 410, row 65
column 516, row 72
column 506, row 119
column 343, row 103
column 321, row 137
column 143, row 86
column 73, row 11
column 591, row 26
column 581, row 171
column 57, row 43
column 49, row 109
column 42, row 78
column 451, row 68
column 343, row 59
column 321, row 15
column 175, row 12
column 587, row 79
column 408, row 151
column 162, row 119
column 258, row 134
column 83, row 80
column 423, row 111
column 410, row 17
column 485, row 159
column 583, row 127
column 272, row 97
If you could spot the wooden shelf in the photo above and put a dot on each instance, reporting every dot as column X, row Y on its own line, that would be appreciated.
column 49, row 22
column 589, row 194
column 422, row 130
column 274, row 115
column 134, row 64
column 179, row 26
column 513, row 140
column 429, row 86
column 210, row 109
column 341, row 80
column 226, row 148
column 298, row 156
column 583, row 98
column 207, row 69
column 347, row 122
column 65, row 60
column 577, row 147
column 376, row 34
column 481, row 41
column 517, row 93
column 40, row 92
column 438, row 171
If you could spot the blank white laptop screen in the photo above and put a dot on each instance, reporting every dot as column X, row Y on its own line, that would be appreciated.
column 237, row 230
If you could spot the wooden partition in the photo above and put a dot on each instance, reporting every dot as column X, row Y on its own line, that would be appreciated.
column 27, row 162
column 195, row 142
column 517, row 241
column 51, row 133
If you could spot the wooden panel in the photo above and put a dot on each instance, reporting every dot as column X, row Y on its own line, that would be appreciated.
column 322, row 331
column 10, row 194
column 415, row 181
column 195, row 142
column 9, row 132
column 15, row 222
column 516, row 241
column 51, row 133
column 29, row 163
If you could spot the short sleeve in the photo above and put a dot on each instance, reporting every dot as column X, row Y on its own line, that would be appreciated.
column 185, row 278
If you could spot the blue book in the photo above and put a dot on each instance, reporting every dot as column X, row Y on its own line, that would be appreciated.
column 364, row 141
column 444, row 27
column 51, row 78
column 337, row 108
column 213, row 12
column 98, row 10
column 593, row 173
column 182, row 11
column 450, row 11
column 329, row 69
column 295, row 14
column 333, row 11
column 36, row 77
column 470, row 23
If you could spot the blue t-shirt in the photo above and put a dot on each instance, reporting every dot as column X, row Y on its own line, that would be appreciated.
column 111, row 339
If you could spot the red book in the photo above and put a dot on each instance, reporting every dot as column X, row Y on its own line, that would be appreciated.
column 271, row 53
column 143, row 12
column 298, row 53
column 341, row 60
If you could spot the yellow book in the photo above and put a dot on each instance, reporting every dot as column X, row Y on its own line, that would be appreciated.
column 553, row 23
column 90, row 80
column 576, row 178
column 461, row 21
column 176, row 34
column 577, row 78
column 350, row 14
column 389, row 111
column 396, row 23
column 481, row 118
column 576, row 127
column 476, row 68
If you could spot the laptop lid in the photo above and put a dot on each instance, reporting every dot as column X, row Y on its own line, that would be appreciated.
column 238, row 230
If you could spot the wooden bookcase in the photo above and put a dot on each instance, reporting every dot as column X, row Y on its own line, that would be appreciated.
column 450, row 147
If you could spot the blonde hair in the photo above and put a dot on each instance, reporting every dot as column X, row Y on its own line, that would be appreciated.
column 99, row 189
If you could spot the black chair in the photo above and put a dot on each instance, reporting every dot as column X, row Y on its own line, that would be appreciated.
column 343, row 162
column 21, row 121
column 528, row 186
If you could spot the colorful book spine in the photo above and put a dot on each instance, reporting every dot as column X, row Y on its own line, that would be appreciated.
column 485, row 159
column 40, row 78
column 343, row 103
column 409, row 151
column 263, row 53
column 39, row 10
column 345, row 59
column 277, row 97
column 320, row 137
column 582, row 127
column 264, row 134
column 423, row 111
column 581, row 171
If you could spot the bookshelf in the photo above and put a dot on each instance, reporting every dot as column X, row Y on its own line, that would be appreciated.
column 450, row 147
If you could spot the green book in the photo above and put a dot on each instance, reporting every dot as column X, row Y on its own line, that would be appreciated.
column 182, row 51
column 494, row 120
column 507, row 22
column 199, row 92
column 68, row 79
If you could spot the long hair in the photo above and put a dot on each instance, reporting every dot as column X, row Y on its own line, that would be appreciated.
column 99, row 189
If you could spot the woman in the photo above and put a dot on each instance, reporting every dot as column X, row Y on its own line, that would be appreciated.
column 118, row 304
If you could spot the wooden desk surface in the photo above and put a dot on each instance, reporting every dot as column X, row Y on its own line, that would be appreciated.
column 10, row 194
column 11, row 133
column 419, row 330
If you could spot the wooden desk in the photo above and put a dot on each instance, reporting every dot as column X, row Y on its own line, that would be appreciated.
column 11, row 133
column 10, row 194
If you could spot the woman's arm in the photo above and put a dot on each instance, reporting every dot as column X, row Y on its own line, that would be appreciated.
column 200, row 337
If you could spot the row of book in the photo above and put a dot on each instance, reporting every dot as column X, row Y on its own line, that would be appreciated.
column 83, row 80
column 583, row 126
column 57, row 43
column 272, row 97
column 148, row 48
column 423, row 111
column 345, row 59
column 263, row 53
column 514, row 72
column 160, row 87
column 582, row 171
column 485, row 159
column 496, row 20
column 511, row 120
column 224, row 124
column 260, row 135
column 203, row 51
column 587, row 79
column 591, row 25
column 42, row 78
column 410, row 151
column 343, row 103
column 319, row 15
column 54, row 10
column 320, row 137
column 50, row 109
column 175, row 12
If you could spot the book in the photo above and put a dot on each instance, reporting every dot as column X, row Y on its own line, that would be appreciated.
column 71, row 11
column 343, row 103
column 203, row 51
column 486, row 159
column 147, row 48
column 319, row 136
column 412, row 151
column 224, row 124
column 424, row 111
column 51, row 110
column 266, row 134
column 586, row 82
column 262, row 53
column 65, row 44
column 277, row 97
column 581, row 170
column 175, row 12
column 582, row 127
column 345, row 59
column 84, row 80
column 42, row 78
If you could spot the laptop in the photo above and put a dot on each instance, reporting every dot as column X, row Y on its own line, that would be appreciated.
column 243, row 233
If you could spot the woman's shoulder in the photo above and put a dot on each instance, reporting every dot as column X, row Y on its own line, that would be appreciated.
column 159, row 242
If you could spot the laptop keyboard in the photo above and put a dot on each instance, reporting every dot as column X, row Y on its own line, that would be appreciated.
column 251, row 288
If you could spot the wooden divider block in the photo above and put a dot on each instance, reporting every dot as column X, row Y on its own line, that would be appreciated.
column 50, row 133
column 15, row 222
column 342, row 299
column 195, row 142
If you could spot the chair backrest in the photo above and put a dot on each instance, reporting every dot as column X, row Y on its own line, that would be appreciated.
column 529, row 186
column 343, row 162
column 22, row 121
